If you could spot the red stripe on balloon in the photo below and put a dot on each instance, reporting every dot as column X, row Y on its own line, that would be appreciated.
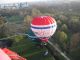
column 43, row 20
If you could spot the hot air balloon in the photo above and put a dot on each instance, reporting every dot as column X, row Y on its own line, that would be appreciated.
column 3, row 55
column 43, row 27
column 13, row 55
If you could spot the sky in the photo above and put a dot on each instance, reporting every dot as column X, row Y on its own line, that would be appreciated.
column 16, row 1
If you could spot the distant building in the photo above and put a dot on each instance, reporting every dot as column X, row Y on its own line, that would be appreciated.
column 14, row 5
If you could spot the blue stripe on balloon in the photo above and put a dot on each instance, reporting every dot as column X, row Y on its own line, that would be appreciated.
column 42, row 27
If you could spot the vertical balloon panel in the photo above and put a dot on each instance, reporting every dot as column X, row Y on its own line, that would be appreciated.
column 3, row 55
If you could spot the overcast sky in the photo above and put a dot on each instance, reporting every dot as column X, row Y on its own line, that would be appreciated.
column 15, row 1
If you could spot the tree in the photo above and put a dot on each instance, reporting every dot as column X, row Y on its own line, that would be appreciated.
column 2, row 20
column 75, row 39
column 13, row 28
column 59, row 24
column 15, row 18
column 35, row 12
column 48, row 14
column 74, row 24
column 63, row 18
column 18, row 38
column 62, row 38
column 27, row 20
column 64, row 28
column 2, row 29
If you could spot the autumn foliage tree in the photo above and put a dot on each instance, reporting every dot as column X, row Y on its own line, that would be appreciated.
column 62, row 37
column 27, row 21
column 75, row 40
column 35, row 12
column 64, row 28
column 74, row 24
column 2, row 29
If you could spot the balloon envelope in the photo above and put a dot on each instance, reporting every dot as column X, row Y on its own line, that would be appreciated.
column 43, row 26
column 3, row 55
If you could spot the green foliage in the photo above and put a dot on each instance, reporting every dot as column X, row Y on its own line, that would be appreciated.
column 62, row 39
column 2, row 20
column 27, row 20
column 59, row 24
column 75, row 41
column 74, row 24
column 27, row 49
column 35, row 12
column 2, row 28
column 18, row 38
column 64, row 28
column 15, row 18
column 63, row 18
column 62, row 36
column 75, row 54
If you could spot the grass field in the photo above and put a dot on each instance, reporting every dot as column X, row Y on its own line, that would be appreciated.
column 28, row 49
